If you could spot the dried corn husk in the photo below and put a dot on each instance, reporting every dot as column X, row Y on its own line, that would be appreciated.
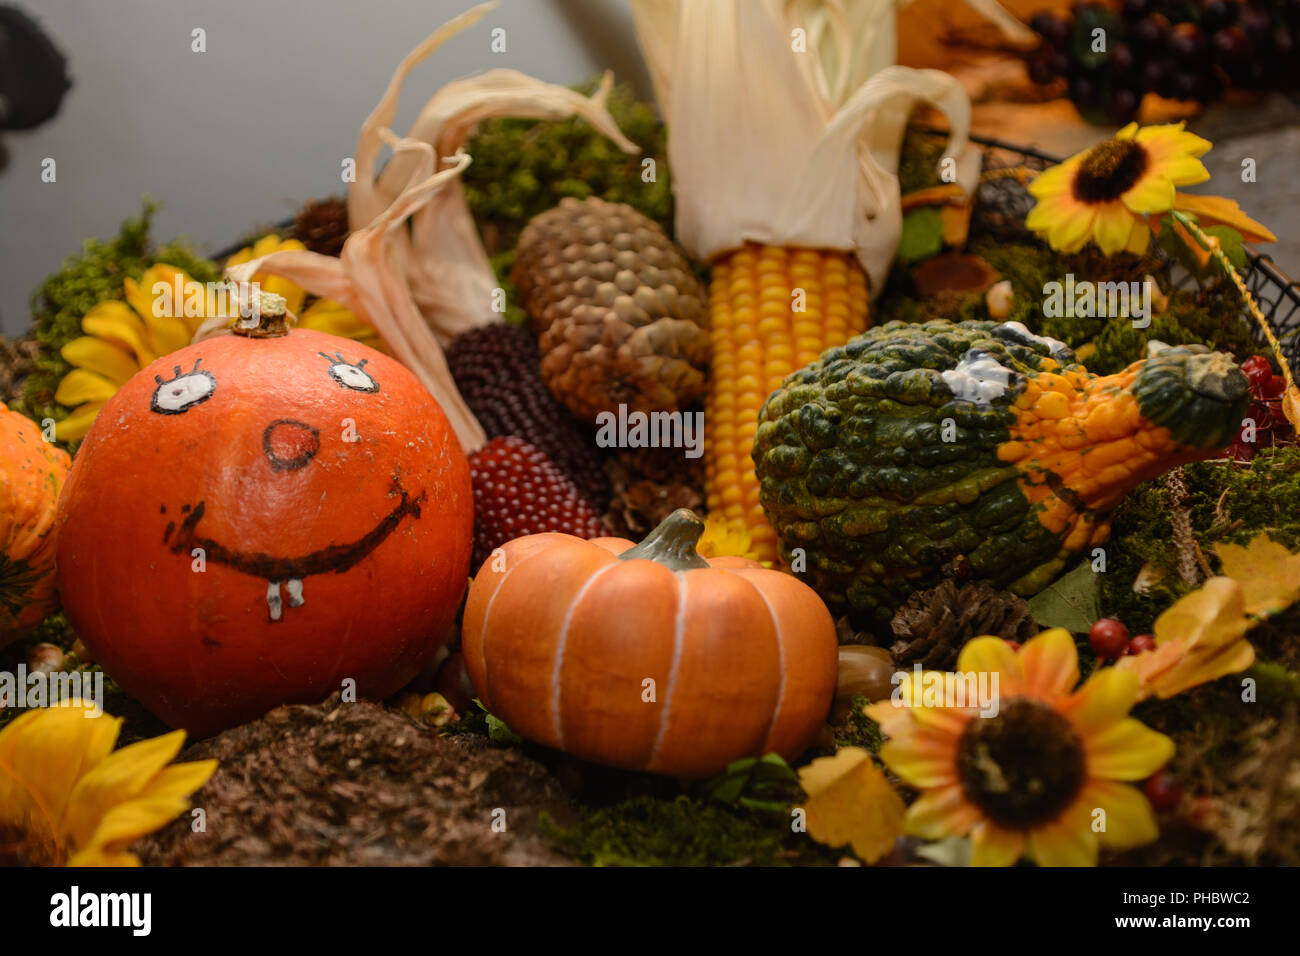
column 443, row 258
column 366, row 279
column 772, row 145
column 421, row 286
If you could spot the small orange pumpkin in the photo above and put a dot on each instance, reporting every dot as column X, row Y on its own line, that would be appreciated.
column 649, row 657
column 31, row 476
column 254, row 521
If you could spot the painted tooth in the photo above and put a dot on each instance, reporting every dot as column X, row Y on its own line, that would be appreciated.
column 273, row 599
column 294, row 587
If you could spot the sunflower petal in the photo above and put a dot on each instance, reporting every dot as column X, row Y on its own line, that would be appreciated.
column 1069, row 233
column 1104, row 699
column 42, row 755
column 81, row 385
column 77, row 424
column 924, row 759
column 1139, row 238
column 1066, row 841
column 992, row 655
column 1112, row 227
column 1151, row 194
column 125, row 823
column 1050, row 663
column 104, row 358
column 941, row 812
column 116, row 322
column 1129, row 820
column 993, row 846
column 1127, row 750
column 116, row 779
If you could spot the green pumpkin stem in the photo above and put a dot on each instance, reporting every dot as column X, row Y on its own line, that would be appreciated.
column 672, row 543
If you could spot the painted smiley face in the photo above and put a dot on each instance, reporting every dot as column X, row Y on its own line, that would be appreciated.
column 288, row 445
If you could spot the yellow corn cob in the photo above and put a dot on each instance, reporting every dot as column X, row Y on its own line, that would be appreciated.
column 758, row 339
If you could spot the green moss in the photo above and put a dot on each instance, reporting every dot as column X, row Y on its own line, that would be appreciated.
column 525, row 167
column 857, row 729
column 1210, row 317
column 93, row 275
column 1227, row 502
column 918, row 162
column 683, row 831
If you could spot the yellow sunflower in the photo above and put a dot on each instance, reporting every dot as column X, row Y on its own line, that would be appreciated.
column 1044, row 777
column 122, row 337
column 1105, row 193
column 67, row 798
column 724, row 538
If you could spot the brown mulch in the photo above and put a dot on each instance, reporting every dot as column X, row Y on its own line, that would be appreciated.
column 356, row 784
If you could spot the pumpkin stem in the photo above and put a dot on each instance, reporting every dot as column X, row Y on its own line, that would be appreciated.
column 672, row 543
column 266, row 318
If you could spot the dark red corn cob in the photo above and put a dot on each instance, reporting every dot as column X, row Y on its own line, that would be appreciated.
column 518, row 491
column 497, row 369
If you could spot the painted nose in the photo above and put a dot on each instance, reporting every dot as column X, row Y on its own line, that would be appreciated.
column 290, row 445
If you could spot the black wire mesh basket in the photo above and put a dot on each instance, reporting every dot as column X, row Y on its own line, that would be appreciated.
column 1003, row 203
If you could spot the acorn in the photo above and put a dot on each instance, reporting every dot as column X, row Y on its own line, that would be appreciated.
column 864, row 670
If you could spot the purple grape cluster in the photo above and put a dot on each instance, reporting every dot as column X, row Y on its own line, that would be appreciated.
column 1179, row 49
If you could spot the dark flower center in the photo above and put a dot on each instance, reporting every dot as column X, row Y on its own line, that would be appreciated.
column 1022, row 767
column 18, row 849
column 1109, row 170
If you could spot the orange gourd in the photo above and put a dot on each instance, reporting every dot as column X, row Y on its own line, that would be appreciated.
column 31, row 476
column 648, row 657
column 254, row 521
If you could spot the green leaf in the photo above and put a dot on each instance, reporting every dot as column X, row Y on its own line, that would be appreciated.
column 764, row 783
column 498, row 731
column 1230, row 241
column 922, row 235
column 1073, row 601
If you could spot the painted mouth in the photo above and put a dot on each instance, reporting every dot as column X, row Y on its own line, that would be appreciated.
column 288, row 572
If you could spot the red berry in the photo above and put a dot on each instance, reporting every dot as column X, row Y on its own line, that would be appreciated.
column 1255, row 365
column 1141, row 643
column 1273, row 388
column 1108, row 638
column 1014, row 645
column 1163, row 791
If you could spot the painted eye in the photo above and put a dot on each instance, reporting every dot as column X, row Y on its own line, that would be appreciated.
column 183, row 391
column 350, row 375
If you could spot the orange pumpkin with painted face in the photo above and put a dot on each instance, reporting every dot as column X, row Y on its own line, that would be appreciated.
column 253, row 521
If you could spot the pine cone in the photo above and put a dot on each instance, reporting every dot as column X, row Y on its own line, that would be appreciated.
column 322, row 225
column 648, row 485
column 17, row 359
column 933, row 625
column 620, row 314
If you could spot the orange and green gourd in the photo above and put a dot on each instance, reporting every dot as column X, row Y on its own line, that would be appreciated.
column 32, row 472
column 919, row 452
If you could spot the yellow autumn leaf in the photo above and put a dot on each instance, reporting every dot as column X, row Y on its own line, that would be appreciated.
column 1201, row 638
column 1268, row 573
column 1291, row 407
column 1218, row 210
column 850, row 801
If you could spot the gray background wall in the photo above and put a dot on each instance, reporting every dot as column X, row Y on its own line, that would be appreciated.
column 241, row 134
